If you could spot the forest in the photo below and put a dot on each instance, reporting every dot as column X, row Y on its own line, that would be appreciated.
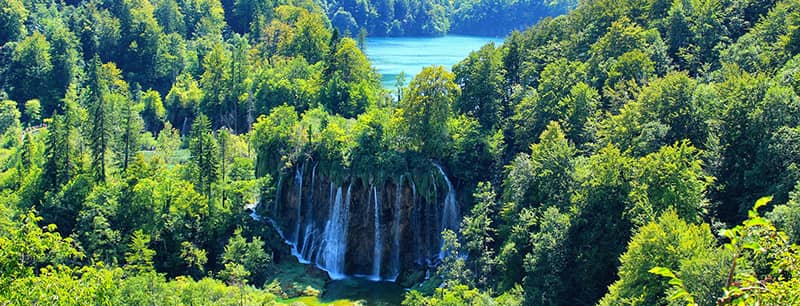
column 438, row 17
column 205, row 152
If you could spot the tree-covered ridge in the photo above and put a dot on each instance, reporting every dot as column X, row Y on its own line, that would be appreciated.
column 604, row 156
column 436, row 17
column 623, row 117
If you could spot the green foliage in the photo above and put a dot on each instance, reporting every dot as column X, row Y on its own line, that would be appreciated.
column 31, row 65
column 350, row 83
column 139, row 258
column 425, row 109
column 245, row 260
column 763, row 268
column 204, row 159
column 539, row 179
column 669, row 246
column 604, row 125
column 670, row 178
column 12, row 20
column 478, row 234
column 480, row 78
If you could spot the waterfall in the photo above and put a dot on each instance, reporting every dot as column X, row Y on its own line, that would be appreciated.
column 306, row 249
column 313, row 217
column 396, row 229
column 276, row 202
column 298, row 180
column 416, row 222
column 450, row 218
column 335, row 236
column 378, row 245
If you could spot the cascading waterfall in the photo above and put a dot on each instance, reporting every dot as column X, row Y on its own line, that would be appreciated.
column 378, row 245
column 450, row 213
column 335, row 236
column 298, row 179
column 396, row 229
column 315, row 213
column 450, row 208
column 307, row 248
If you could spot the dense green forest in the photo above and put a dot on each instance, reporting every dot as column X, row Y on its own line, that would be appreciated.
column 635, row 152
column 438, row 17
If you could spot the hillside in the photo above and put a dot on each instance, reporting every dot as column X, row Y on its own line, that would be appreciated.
column 204, row 152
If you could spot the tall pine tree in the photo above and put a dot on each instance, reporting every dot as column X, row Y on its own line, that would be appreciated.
column 99, row 133
column 204, row 155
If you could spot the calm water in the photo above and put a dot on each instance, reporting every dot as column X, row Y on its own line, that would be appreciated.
column 391, row 55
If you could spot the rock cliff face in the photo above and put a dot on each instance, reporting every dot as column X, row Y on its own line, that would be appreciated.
column 356, row 226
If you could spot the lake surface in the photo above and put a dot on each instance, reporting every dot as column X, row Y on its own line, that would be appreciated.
column 391, row 55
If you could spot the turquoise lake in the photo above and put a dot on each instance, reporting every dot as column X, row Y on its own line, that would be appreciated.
column 391, row 55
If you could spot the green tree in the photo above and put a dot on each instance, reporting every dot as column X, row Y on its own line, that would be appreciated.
column 31, row 67
column 546, row 261
column 481, row 80
column 153, row 112
column 478, row 233
column 12, row 20
column 272, row 138
column 688, row 249
column 671, row 178
column 33, row 111
column 351, row 84
column 139, row 257
column 249, row 255
column 425, row 109
column 544, row 177
column 182, row 102
column 204, row 155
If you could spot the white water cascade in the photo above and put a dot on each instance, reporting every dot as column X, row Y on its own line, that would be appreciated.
column 313, row 214
column 298, row 179
column 396, row 229
column 377, row 253
column 334, row 241
column 450, row 217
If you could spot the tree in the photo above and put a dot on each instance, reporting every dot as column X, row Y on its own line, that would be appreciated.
column 351, row 84
column 425, row 109
column 687, row 249
column 168, row 141
column 671, row 178
column 204, row 155
column 64, row 56
column 272, row 138
column 132, row 127
column 9, row 118
column 546, row 261
column 551, row 102
column 139, row 258
column 545, row 177
column 453, row 269
column 251, row 256
column 31, row 67
column 599, row 231
column 33, row 111
column 12, row 20
column 215, row 82
column 101, row 125
column 478, row 233
column 182, row 102
column 481, row 80
column 153, row 113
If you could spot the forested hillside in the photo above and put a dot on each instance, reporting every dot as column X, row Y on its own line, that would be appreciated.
column 438, row 17
column 198, row 152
